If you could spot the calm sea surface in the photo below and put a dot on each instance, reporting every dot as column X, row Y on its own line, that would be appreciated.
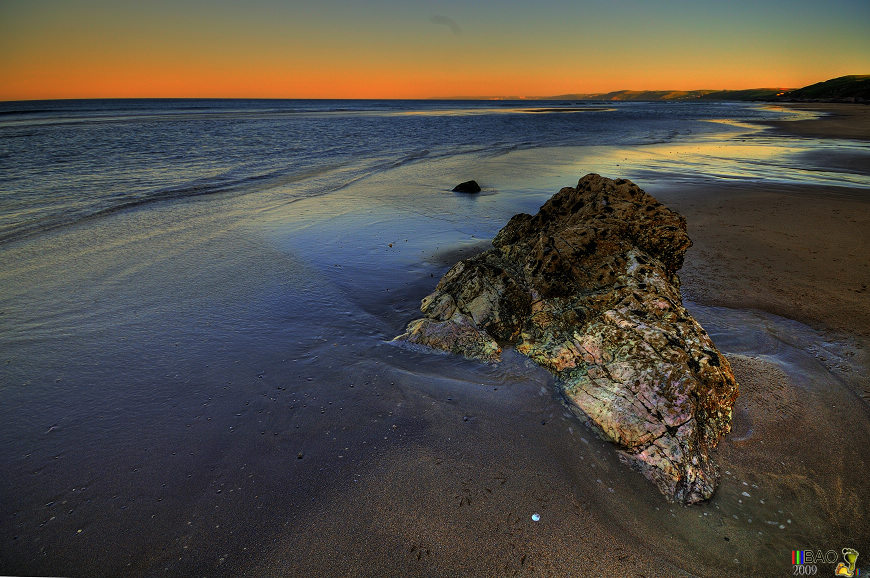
column 63, row 161
column 197, row 299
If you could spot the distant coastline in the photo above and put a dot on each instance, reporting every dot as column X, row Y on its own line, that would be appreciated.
column 848, row 89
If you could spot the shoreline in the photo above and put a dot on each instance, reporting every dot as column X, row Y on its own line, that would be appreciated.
column 841, row 120
column 798, row 251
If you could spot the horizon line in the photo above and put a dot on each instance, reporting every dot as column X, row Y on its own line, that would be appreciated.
column 567, row 96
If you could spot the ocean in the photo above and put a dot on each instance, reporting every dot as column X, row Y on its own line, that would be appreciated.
column 64, row 161
column 197, row 299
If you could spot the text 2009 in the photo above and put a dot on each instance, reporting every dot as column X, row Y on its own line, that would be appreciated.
column 805, row 569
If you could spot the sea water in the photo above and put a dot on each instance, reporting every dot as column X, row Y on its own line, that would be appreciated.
column 197, row 299
column 63, row 161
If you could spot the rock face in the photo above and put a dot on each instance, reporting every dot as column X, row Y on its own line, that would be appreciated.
column 588, row 289
column 467, row 187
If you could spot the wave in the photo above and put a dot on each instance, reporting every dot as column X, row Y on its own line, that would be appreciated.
column 116, row 204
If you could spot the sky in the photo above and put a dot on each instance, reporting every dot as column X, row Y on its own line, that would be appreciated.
column 416, row 49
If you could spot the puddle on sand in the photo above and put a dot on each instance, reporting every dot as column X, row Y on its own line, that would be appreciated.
column 793, row 470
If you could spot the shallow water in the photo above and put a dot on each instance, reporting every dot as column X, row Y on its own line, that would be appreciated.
column 203, row 385
column 63, row 161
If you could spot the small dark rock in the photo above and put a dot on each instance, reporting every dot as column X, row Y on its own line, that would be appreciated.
column 467, row 187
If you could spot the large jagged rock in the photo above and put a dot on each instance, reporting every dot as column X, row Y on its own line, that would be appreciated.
column 588, row 289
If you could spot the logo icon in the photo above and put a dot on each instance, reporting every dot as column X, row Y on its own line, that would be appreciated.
column 850, row 555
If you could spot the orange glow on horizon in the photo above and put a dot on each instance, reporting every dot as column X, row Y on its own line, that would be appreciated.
column 107, row 79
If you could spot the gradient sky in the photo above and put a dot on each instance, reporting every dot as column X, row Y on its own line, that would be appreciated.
column 415, row 49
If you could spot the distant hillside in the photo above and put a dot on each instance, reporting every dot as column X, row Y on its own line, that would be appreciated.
column 748, row 94
column 657, row 95
column 855, row 88
column 651, row 95
column 635, row 95
column 848, row 88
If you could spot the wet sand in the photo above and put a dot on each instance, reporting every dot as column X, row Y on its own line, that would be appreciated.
column 800, row 252
column 840, row 120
